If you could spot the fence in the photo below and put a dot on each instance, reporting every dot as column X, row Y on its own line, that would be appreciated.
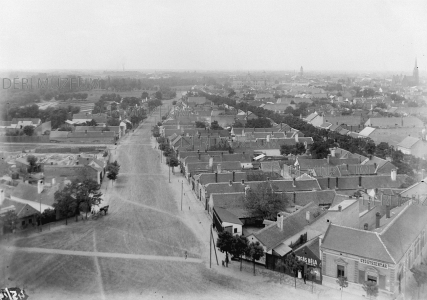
column 34, row 230
column 24, row 139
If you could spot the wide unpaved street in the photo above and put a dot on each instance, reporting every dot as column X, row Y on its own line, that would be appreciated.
column 137, row 250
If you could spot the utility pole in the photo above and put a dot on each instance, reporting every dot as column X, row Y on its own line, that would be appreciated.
column 182, row 191
column 41, row 228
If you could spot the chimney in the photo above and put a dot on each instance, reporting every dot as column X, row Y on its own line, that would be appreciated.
column 1, row 197
column 307, row 216
column 280, row 222
column 336, row 183
column 218, row 167
column 53, row 181
column 377, row 220
column 387, row 211
column 40, row 186
column 339, row 208
column 246, row 189
column 393, row 175
column 296, row 138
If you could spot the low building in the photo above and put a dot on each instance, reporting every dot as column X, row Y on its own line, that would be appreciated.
column 384, row 255
column 413, row 146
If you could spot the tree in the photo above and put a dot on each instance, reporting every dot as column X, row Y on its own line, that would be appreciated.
column 200, row 124
column 319, row 150
column 145, row 95
column 225, row 241
column 293, row 264
column 298, row 148
column 11, row 220
column 343, row 283
column 32, row 160
column 113, row 170
column 158, row 95
column 239, row 245
column 215, row 126
column 87, row 194
column 173, row 162
column 254, row 251
column 420, row 276
column 65, row 202
column 264, row 202
column 28, row 130
column 371, row 288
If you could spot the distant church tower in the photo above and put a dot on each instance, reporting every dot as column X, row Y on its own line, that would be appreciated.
column 301, row 71
column 415, row 75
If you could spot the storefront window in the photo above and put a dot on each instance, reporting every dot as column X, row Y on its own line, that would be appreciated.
column 372, row 278
column 340, row 271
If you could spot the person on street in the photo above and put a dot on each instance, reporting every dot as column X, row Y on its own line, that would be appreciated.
column 226, row 260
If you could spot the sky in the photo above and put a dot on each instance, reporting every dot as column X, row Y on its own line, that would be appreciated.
column 214, row 35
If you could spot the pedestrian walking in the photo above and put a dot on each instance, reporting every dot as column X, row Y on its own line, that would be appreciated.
column 226, row 260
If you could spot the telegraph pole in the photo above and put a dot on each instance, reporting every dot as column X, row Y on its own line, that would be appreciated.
column 182, row 190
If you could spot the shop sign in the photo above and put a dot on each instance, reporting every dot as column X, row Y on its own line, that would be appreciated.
column 307, row 260
column 374, row 263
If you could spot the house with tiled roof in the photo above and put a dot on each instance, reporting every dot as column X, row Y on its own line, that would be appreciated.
column 413, row 146
column 385, row 122
column 382, row 255
column 369, row 184
column 37, row 196
column 382, row 166
column 291, row 230
column 26, row 214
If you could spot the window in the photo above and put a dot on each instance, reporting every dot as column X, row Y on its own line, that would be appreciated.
column 23, row 223
column 372, row 278
column 235, row 230
column 30, row 221
column 340, row 271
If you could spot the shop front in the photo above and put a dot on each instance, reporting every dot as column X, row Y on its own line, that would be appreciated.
column 312, row 264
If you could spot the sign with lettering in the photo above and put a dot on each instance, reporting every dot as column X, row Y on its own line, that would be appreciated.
column 309, row 261
column 373, row 263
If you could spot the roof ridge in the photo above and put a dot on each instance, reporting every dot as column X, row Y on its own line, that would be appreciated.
column 382, row 243
column 356, row 229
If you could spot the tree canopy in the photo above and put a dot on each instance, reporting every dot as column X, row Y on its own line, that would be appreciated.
column 264, row 202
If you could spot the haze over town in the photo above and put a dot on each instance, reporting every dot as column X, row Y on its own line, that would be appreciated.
column 213, row 35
